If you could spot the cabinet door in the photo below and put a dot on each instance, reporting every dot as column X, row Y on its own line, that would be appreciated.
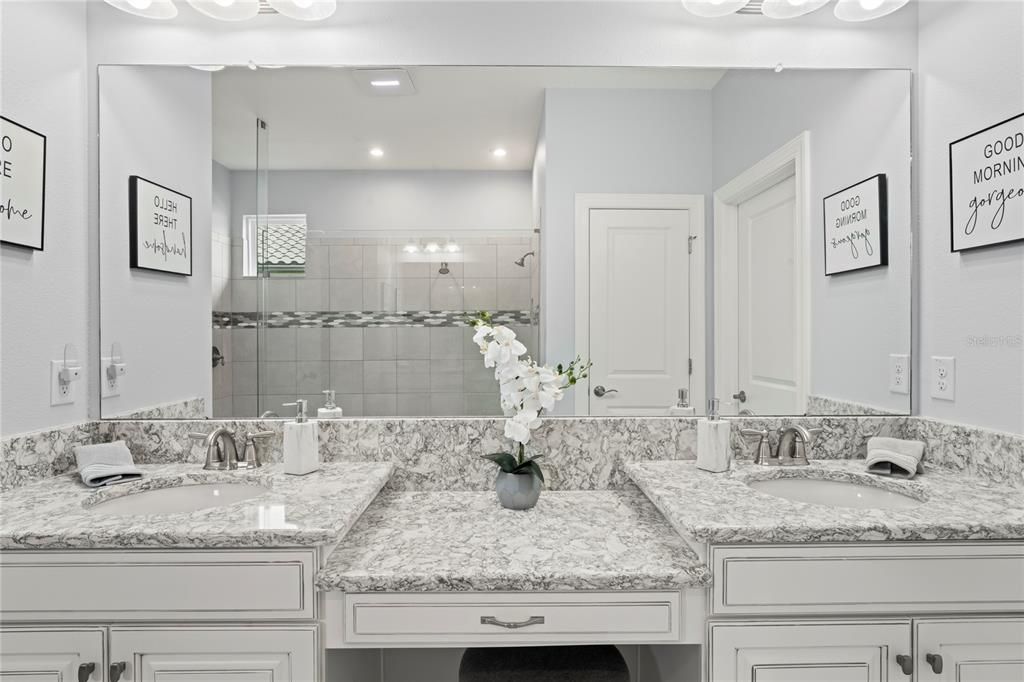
column 216, row 654
column 802, row 651
column 51, row 655
column 964, row 650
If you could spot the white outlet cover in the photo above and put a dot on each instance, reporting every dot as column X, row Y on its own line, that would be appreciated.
column 108, row 388
column 60, row 394
column 899, row 373
column 943, row 378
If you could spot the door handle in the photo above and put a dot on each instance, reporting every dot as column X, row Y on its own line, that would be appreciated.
column 85, row 671
column 601, row 391
column 512, row 625
column 116, row 670
column 741, row 396
column 935, row 661
column 906, row 663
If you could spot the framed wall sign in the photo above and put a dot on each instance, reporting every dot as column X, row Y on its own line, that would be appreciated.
column 22, row 185
column 161, row 227
column 856, row 227
column 986, row 186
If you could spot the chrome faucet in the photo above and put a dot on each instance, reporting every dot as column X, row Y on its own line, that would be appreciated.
column 792, row 449
column 221, row 451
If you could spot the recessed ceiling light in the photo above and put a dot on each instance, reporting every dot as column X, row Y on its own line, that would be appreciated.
column 151, row 9
column 376, row 152
column 305, row 10
column 393, row 82
column 390, row 83
column 714, row 8
column 500, row 153
column 227, row 10
column 865, row 10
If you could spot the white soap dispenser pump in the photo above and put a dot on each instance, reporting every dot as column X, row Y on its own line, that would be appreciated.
column 682, row 408
column 301, row 442
column 330, row 410
column 713, row 452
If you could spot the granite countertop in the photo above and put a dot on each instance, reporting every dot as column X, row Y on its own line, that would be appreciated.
column 721, row 508
column 311, row 510
column 464, row 541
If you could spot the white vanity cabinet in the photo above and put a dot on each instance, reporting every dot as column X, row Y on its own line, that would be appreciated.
column 148, row 615
column 970, row 650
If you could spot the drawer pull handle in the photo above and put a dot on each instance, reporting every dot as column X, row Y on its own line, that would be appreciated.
column 935, row 661
column 85, row 671
column 512, row 625
column 906, row 664
column 116, row 670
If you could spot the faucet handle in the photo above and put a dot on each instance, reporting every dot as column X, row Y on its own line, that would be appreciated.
column 764, row 447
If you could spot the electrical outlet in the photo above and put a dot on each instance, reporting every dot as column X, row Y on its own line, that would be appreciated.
column 899, row 373
column 943, row 378
column 109, row 387
column 61, row 393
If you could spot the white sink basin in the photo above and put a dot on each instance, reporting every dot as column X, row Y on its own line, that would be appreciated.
column 179, row 499
column 834, row 493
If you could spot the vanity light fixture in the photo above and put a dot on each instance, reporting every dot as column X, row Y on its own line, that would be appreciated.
column 432, row 247
column 866, row 10
column 305, row 10
column 788, row 9
column 500, row 153
column 377, row 152
column 150, row 9
column 451, row 247
column 227, row 10
column 714, row 8
column 411, row 247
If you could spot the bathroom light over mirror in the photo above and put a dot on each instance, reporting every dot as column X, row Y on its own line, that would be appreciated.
column 305, row 10
column 354, row 237
column 866, row 10
column 227, row 10
column 714, row 8
column 150, row 9
column 788, row 9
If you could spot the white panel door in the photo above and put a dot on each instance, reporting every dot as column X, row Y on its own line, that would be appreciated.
column 981, row 650
column 639, row 310
column 216, row 654
column 808, row 652
column 51, row 655
column 769, row 300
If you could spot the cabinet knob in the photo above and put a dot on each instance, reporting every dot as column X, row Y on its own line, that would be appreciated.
column 116, row 670
column 85, row 671
column 935, row 661
column 905, row 662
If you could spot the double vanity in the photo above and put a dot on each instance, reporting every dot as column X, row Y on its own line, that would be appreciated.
column 820, row 572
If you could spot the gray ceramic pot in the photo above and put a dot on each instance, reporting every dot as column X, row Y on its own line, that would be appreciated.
column 517, row 491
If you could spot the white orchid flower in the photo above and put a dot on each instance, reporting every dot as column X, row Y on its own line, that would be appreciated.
column 480, row 337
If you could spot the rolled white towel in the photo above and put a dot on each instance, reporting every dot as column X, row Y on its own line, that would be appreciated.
column 895, row 457
column 106, row 464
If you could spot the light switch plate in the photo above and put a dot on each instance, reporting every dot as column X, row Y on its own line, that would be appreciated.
column 899, row 373
column 60, row 394
column 943, row 378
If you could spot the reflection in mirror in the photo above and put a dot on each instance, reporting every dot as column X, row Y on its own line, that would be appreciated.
column 695, row 232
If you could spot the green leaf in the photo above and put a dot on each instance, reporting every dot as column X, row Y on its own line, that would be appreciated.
column 505, row 461
column 530, row 466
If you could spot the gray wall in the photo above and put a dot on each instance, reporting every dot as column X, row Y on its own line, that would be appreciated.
column 155, row 122
column 610, row 141
column 860, row 126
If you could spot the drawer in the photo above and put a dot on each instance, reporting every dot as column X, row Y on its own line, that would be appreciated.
column 440, row 619
column 185, row 585
column 882, row 578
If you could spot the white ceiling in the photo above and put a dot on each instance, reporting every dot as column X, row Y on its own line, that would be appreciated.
column 321, row 118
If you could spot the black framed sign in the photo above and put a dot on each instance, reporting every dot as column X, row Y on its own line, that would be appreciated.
column 986, row 186
column 160, row 220
column 856, row 227
column 22, row 185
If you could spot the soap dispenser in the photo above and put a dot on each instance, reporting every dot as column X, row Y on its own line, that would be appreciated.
column 682, row 408
column 330, row 410
column 713, row 452
column 301, row 442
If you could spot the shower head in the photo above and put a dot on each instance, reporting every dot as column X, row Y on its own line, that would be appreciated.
column 521, row 261
column 443, row 270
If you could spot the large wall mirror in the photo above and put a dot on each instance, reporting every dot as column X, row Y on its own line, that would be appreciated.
column 275, row 233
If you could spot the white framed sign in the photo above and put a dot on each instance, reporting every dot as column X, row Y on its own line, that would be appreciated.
column 22, row 185
column 161, row 227
column 856, row 227
column 986, row 186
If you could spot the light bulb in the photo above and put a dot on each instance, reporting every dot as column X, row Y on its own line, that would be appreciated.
column 303, row 4
column 377, row 152
column 432, row 247
column 140, row 4
column 225, row 3
column 451, row 247
column 871, row 5
column 411, row 247
column 150, row 9
column 500, row 153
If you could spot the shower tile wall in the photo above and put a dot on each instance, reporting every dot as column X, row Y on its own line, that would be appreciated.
column 357, row 323
column 220, row 262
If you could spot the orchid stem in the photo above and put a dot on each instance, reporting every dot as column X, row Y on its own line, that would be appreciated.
column 522, row 454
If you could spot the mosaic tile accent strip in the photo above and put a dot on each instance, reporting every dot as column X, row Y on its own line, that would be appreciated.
column 31, row 456
column 328, row 319
column 820, row 405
